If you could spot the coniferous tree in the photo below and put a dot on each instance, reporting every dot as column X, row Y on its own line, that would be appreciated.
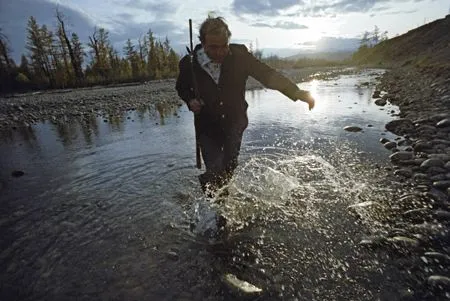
column 78, row 56
column 100, row 50
column 152, row 61
column 39, row 44
column 133, row 59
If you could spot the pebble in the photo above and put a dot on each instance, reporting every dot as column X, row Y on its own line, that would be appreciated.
column 443, row 123
column 352, row 128
column 438, row 256
column 401, row 155
column 17, row 173
column 390, row 145
column 432, row 163
column 240, row 286
column 438, row 281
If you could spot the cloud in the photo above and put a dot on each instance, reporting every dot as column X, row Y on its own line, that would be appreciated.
column 396, row 12
column 282, row 25
column 124, row 24
column 318, row 8
column 331, row 44
column 262, row 7
column 14, row 16
column 158, row 7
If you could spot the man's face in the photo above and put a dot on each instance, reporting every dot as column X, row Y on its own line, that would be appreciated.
column 216, row 47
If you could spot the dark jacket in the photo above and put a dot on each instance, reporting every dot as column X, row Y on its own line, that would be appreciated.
column 225, row 108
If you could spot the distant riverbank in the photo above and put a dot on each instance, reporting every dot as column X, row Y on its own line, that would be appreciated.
column 62, row 106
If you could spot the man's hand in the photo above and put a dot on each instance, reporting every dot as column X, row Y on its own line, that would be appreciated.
column 306, row 97
column 195, row 105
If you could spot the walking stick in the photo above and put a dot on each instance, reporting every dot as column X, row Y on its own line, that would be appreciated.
column 198, row 159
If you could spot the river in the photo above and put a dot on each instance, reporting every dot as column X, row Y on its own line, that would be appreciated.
column 104, row 209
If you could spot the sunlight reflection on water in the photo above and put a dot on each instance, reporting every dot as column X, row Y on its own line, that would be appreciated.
column 109, row 200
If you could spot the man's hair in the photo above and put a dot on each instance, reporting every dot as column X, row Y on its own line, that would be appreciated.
column 214, row 26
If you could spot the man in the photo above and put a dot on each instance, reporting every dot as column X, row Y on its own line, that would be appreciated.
column 220, row 71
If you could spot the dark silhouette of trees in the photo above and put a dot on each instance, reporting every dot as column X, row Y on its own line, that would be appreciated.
column 58, row 59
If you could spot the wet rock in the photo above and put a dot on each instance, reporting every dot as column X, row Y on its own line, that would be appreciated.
column 422, row 146
column 373, row 241
column 384, row 140
column 443, row 157
column 438, row 257
column 352, row 128
column 380, row 102
column 390, row 145
column 173, row 255
column 443, row 123
column 441, row 184
column 424, row 128
column 400, row 126
column 17, row 173
column 439, row 282
column 403, row 242
column 239, row 286
column 401, row 156
column 441, row 215
column 432, row 163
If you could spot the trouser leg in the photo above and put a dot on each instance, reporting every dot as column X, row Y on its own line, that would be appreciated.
column 220, row 155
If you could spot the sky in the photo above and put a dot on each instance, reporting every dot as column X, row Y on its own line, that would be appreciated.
column 280, row 27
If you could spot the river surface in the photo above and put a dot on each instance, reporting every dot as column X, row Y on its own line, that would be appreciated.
column 105, row 208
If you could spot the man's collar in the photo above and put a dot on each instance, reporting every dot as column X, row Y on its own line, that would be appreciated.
column 202, row 57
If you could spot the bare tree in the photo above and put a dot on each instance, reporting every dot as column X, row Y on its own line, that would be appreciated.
column 66, row 44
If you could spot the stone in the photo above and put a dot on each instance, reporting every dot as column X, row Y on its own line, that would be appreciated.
column 400, row 126
column 240, row 286
column 441, row 184
column 438, row 281
column 17, row 173
column 373, row 241
column 443, row 123
column 403, row 242
column 433, row 162
column 380, row 102
column 443, row 157
column 441, row 215
column 384, row 140
column 390, row 145
column 439, row 257
column 352, row 128
column 401, row 155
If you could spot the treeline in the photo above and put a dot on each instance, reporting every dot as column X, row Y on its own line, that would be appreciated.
column 368, row 41
column 58, row 59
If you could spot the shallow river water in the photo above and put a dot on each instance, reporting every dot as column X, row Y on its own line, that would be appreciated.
column 104, row 210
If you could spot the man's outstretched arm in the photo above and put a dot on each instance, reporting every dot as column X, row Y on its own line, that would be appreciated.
column 273, row 79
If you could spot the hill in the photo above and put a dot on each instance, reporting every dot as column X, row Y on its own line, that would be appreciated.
column 330, row 56
column 427, row 46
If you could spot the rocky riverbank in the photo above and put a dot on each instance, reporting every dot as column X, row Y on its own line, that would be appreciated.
column 417, row 234
column 61, row 106
column 65, row 106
